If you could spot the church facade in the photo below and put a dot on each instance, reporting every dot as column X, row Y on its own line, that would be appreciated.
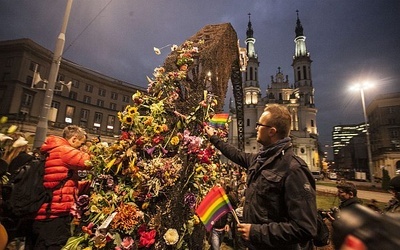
column 297, row 96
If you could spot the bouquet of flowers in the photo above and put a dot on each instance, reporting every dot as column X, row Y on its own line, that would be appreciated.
column 146, row 186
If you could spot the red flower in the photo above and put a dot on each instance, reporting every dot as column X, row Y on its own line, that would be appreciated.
column 139, row 142
column 124, row 135
column 146, row 238
column 158, row 139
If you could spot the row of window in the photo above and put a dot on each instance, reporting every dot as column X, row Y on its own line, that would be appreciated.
column 88, row 88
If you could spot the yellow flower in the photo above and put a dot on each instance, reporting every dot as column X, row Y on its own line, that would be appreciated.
column 157, row 129
column 128, row 120
column 12, row 129
column 174, row 140
column 132, row 110
column 136, row 95
column 196, row 219
column 171, row 237
column 3, row 119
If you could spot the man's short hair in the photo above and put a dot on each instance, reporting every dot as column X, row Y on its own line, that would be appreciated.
column 348, row 187
column 280, row 119
column 73, row 130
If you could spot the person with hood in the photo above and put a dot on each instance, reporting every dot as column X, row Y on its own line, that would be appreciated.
column 280, row 210
column 51, row 228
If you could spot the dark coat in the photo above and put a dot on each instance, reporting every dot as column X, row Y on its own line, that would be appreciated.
column 19, row 161
column 280, row 198
column 348, row 203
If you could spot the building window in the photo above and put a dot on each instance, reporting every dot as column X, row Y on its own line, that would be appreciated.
column 98, row 117
column 55, row 105
column 27, row 99
column 312, row 123
column 87, row 99
column 69, row 114
column 102, row 92
column 33, row 65
column 113, row 106
column 75, row 83
column 110, row 122
column 84, row 115
column 248, row 122
column 114, row 96
column 304, row 72
column 60, row 78
column 73, row 95
column 100, row 103
column 125, row 98
column 89, row 88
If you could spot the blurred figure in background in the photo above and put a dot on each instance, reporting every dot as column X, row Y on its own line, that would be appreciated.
column 393, row 205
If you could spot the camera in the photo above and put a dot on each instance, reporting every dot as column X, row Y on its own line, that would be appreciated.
column 333, row 211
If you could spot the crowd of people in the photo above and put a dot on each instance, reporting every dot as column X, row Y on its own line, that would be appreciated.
column 273, row 191
column 50, row 228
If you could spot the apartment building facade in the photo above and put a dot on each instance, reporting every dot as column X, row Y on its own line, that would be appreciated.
column 81, row 96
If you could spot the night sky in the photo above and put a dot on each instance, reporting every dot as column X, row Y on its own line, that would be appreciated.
column 348, row 41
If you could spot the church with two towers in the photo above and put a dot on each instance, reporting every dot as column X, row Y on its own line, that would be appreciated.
column 298, row 96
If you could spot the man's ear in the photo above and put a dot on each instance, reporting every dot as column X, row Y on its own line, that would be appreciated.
column 272, row 131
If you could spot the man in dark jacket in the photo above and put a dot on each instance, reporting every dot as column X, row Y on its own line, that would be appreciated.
column 347, row 193
column 280, row 209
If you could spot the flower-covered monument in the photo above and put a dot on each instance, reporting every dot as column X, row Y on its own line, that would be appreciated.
column 146, row 186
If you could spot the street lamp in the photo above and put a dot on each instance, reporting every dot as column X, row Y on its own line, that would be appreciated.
column 361, row 87
column 41, row 129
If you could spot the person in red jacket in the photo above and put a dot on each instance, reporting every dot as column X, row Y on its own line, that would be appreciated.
column 64, row 158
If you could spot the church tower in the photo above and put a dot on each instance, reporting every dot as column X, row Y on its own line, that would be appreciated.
column 297, row 96
column 252, row 91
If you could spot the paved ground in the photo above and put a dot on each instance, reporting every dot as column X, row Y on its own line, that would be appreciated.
column 379, row 196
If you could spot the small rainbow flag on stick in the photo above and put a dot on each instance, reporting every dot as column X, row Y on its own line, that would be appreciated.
column 214, row 206
column 219, row 120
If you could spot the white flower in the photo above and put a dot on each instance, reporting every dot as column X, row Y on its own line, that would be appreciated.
column 157, row 51
column 21, row 141
column 171, row 237
column 174, row 47
column 4, row 137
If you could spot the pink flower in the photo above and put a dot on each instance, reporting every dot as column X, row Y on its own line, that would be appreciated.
column 127, row 243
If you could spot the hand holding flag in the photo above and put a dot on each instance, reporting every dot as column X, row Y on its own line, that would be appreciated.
column 214, row 206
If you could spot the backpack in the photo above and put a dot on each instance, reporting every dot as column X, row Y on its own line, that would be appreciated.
column 24, row 194
column 322, row 238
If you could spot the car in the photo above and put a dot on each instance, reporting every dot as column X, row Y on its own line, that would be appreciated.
column 317, row 175
column 332, row 176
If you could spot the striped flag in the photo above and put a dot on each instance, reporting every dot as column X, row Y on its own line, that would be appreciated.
column 219, row 120
column 213, row 206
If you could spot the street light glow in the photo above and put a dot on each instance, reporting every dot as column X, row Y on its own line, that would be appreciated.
column 361, row 87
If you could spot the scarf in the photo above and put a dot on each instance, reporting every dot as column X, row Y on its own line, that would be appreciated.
column 266, row 152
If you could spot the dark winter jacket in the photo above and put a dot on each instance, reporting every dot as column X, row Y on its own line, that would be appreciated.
column 280, row 198
column 18, row 161
column 62, row 159
column 348, row 203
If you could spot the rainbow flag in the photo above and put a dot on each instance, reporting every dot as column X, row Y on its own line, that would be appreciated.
column 219, row 120
column 213, row 206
